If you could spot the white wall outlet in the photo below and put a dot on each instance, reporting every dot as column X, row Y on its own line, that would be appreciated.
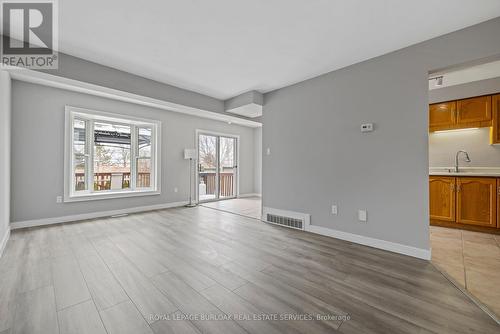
column 176, row 189
column 59, row 199
column 367, row 127
column 268, row 151
column 335, row 210
column 362, row 215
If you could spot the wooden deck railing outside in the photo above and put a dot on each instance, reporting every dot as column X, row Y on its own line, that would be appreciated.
column 102, row 181
column 226, row 183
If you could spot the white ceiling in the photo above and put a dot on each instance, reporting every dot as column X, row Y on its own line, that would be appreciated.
column 222, row 48
column 464, row 75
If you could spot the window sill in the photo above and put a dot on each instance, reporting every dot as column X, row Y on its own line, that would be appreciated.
column 110, row 195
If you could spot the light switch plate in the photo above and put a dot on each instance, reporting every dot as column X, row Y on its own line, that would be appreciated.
column 59, row 199
column 362, row 215
column 334, row 209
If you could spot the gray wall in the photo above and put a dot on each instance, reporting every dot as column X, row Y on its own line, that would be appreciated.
column 87, row 71
column 257, row 133
column 443, row 146
column 319, row 157
column 5, row 120
column 90, row 72
column 37, row 152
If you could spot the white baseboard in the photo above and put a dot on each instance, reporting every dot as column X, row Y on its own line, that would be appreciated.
column 4, row 242
column 372, row 242
column 92, row 215
column 249, row 195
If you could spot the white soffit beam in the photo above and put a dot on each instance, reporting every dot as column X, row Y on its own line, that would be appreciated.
column 248, row 104
column 466, row 75
column 55, row 81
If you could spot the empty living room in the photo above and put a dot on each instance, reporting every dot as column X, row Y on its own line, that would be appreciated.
column 255, row 167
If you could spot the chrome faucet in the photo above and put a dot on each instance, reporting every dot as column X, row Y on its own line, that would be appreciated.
column 467, row 159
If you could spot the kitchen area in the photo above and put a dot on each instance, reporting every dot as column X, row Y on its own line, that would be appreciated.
column 464, row 180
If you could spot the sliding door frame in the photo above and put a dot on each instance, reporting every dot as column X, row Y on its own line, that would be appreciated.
column 236, row 185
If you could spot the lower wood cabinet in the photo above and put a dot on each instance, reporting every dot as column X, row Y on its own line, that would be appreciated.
column 477, row 201
column 465, row 200
column 442, row 198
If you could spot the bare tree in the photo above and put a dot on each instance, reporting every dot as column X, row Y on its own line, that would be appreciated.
column 208, row 151
column 207, row 147
column 125, row 156
column 226, row 152
column 102, row 155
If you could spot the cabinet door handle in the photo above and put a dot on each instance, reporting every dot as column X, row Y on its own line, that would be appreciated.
column 498, row 190
column 452, row 187
column 458, row 187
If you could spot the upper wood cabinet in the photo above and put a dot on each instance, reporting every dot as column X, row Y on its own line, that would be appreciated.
column 476, row 201
column 476, row 109
column 474, row 112
column 495, row 111
column 442, row 114
column 442, row 198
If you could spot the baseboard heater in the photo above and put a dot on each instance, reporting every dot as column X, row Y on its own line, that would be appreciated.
column 290, row 219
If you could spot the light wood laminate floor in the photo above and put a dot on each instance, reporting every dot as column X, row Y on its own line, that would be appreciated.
column 472, row 259
column 212, row 272
column 246, row 206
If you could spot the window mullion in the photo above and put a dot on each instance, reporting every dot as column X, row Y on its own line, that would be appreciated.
column 71, row 175
column 90, row 157
column 133, row 154
column 152, row 159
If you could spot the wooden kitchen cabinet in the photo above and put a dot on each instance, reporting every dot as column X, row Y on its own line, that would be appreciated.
column 495, row 111
column 442, row 114
column 498, row 203
column 442, row 198
column 475, row 109
column 474, row 112
column 476, row 201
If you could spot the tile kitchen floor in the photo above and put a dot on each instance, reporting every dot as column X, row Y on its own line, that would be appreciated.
column 472, row 259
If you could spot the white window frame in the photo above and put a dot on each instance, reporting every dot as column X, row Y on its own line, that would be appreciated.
column 70, row 195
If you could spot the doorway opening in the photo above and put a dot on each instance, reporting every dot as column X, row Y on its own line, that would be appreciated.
column 464, row 179
column 217, row 176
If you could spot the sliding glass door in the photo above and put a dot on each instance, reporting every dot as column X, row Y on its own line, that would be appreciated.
column 217, row 167
column 207, row 167
column 227, row 167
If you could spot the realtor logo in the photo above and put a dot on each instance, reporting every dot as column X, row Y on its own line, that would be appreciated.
column 29, row 34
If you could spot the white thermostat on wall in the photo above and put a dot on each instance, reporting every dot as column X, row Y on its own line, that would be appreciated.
column 367, row 127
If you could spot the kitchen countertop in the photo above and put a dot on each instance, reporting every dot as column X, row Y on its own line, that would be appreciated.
column 466, row 171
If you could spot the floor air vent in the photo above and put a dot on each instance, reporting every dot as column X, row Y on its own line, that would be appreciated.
column 286, row 218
